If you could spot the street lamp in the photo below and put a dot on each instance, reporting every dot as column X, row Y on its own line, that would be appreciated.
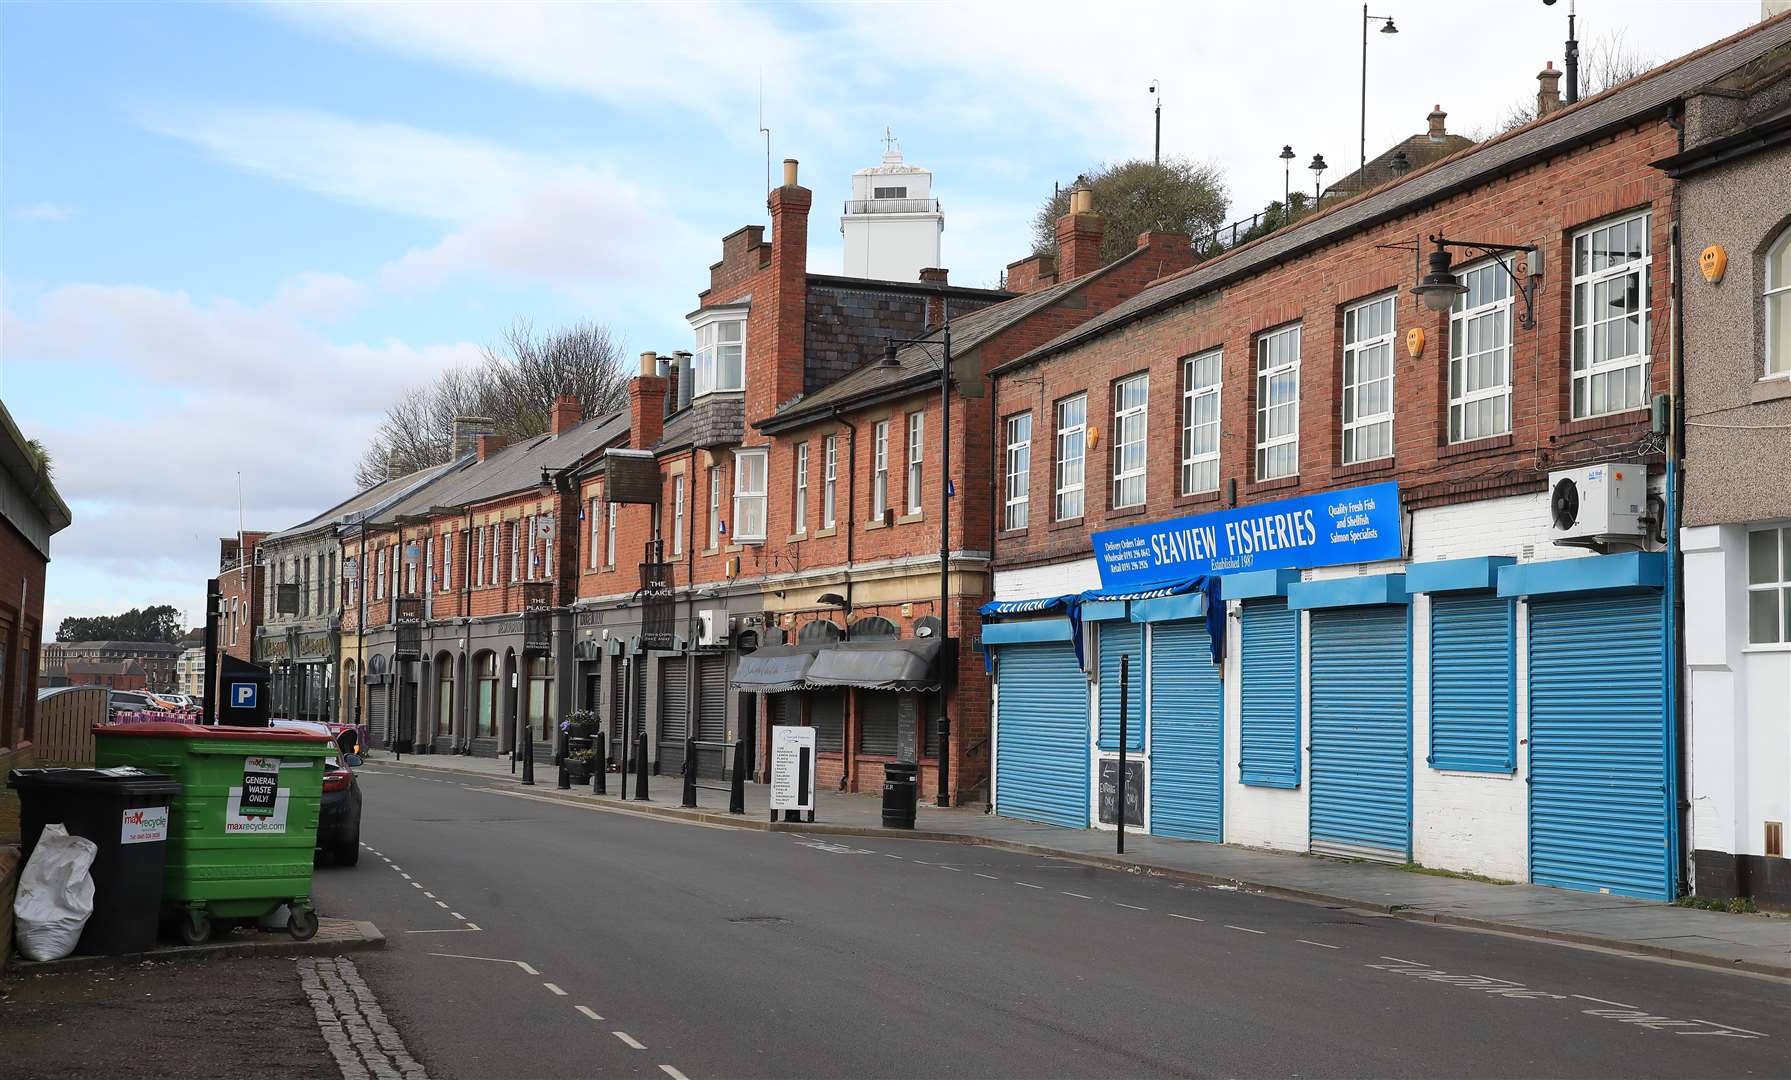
column 889, row 361
column 1287, row 156
column 1571, row 58
column 1389, row 28
column 1440, row 285
column 1318, row 167
column 1156, row 87
column 1400, row 164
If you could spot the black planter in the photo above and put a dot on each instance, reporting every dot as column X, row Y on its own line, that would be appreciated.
column 576, row 743
column 578, row 771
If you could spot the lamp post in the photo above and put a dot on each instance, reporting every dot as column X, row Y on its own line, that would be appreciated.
column 1389, row 28
column 1571, row 56
column 1287, row 156
column 1156, row 87
column 891, row 361
column 1318, row 167
column 1440, row 286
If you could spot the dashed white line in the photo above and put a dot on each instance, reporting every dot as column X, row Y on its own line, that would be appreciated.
column 416, row 884
column 396, row 867
column 1077, row 895
column 953, row 869
column 439, row 903
column 402, row 875
column 493, row 959
column 458, row 915
column 1133, row 907
column 628, row 1040
column 1245, row 929
column 1320, row 944
column 1397, row 960
column 923, row 862
column 472, row 926
column 1602, row 1001
column 1028, row 884
column 429, row 894
column 991, row 877
column 449, row 930
column 554, row 989
column 1190, row 918
column 673, row 1073
column 586, row 1009
column 887, row 855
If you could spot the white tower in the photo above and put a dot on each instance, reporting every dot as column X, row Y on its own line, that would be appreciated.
column 892, row 223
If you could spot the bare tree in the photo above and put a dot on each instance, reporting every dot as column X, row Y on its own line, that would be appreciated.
column 513, row 384
column 1607, row 62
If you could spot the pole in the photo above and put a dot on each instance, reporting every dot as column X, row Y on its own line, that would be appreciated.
column 627, row 739
column 1572, row 63
column 524, row 731
column 1157, row 155
column 600, row 763
column 213, row 598
column 360, row 625
column 1363, row 149
column 944, row 560
column 1119, row 805
column 1286, row 191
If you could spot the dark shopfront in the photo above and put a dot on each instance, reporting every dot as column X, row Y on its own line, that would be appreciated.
column 303, row 668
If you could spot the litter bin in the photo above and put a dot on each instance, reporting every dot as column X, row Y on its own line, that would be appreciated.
column 125, row 813
column 901, row 793
column 244, row 827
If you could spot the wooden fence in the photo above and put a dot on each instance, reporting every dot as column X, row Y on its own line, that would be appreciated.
column 65, row 720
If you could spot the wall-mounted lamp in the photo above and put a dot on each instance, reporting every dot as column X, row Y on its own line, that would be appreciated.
column 1440, row 285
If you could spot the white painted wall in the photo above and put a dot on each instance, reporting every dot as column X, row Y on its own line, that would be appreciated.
column 891, row 247
column 1262, row 817
column 1054, row 579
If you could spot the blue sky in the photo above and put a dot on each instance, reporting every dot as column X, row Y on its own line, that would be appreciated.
column 230, row 235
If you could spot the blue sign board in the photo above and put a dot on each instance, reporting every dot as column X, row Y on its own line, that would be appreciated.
column 242, row 695
column 1351, row 525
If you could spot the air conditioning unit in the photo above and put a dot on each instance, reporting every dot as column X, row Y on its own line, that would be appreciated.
column 712, row 627
column 1596, row 503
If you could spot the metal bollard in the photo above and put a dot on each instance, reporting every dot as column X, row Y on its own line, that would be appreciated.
column 640, row 768
column 689, row 771
column 528, row 758
column 600, row 764
column 737, row 785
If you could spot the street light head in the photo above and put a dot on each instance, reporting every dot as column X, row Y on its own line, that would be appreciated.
column 889, row 357
column 1440, row 286
column 1287, row 153
column 1389, row 28
column 1318, row 163
column 1153, row 87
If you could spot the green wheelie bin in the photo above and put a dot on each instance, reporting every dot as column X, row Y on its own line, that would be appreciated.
column 244, row 827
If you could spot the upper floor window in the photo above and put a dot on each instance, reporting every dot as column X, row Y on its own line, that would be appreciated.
column 1778, row 307
column 1611, row 278
column 596, row 523
column 1019, row 471
column 497, row 536
column 516, row 551
column 1480, row 354
column 715, row 526
column 799, row 503
column 609, row 537
column 889, row 192
column 1769, row 586
column 1278, row 403
column 1072, row 449
column 447, row 561
column 479, row 560
column 428, row 566
column 379, row 583
column 749, row 494
column 528, row 533
column 1131, row 402
column 829, row 479
column 1368, row 380
column 547, row 525
column 720, row 359
column 879, row 468
column 1200, row 421
column 678, row 514
column 917, row 433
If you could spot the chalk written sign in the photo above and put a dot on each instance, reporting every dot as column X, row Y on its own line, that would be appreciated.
column 1109, row 794
column 261, row 786
column 792, row 768
column 1330, row 528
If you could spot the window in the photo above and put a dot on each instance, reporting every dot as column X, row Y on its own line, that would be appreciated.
column 917, row 433
column 1200, row 421
column 1072, row 446
column 1611, row 276
column 1019, row 471
column 496, row 541
column 715, row 525
column 720, row 359
column 1769, row 586
column 749, row 494
column 591, row 515
column 515, row 551
column 609, row 537
column 1480, row 354
column 1778, row 307
column 1368, row 380
column 880, row 469
column 546, row 525
column 447, row 562
column 889, row 192
column 379, row 583
column 528, row 535
column 678, row 514
column 479, row 563
column 830, row 472
column 428, row 566
column 1131, row 397
column 799, row 509
column 1278, row 403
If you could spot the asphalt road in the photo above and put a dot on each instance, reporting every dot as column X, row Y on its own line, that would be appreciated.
column 534, row 938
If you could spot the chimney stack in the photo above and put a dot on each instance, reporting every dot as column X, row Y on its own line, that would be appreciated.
column 486, row 445
column 1437, row 131
column 684, row 377
column 778, row 368
column 1548, row 94
column 567, row 414
column 394, row 465
column 934, row 275
column 468, row 428
column 646, row 404
column 1079, row 236
column 1033, row 273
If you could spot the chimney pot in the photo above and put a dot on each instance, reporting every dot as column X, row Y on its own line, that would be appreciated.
column 1548, row 93
column 789, row 172
column 649, row 363
column 1436, row 118
column 1079, row 235
column 394, row 465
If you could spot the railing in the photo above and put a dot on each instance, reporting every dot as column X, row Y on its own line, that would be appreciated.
column 736, row 775
column 892, row 206
column 1226, row 237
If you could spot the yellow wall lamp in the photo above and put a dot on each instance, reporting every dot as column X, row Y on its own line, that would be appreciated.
column 1440, row 286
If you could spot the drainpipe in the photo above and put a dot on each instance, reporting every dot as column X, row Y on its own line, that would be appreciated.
column 999, row 478
column 848, row 757
column 466, row 632
column 1678, row 805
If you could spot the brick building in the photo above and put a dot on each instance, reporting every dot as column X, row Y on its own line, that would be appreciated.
column 1431, row 651
column 155, row 659
column 32, row 512
column 111, row 674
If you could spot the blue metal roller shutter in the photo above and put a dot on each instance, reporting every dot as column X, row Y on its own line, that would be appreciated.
column 1041, row 741
column 1472, row 684
column 1269, row 735
column 1122, row 639
column 1361, row 733
column 1598, row 751
column 1187, row 709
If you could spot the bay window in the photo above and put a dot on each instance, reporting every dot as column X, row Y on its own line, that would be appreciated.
column 719, row 362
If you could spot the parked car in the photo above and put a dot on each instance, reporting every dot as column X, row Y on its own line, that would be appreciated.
column 123, row 701
column 339, row 812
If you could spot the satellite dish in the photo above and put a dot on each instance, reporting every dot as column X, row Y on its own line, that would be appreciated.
column 1564, row 504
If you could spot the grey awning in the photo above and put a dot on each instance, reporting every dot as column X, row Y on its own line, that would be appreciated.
column 773, row 668
column 905, row 664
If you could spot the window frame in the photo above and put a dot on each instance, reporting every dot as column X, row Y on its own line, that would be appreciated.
column 678, row 514
column 745, row 498
column 715, row 530
column 591, row 515
column 1579, row 332
column 1016, row 505
column 1264, row 379
column 1502, row 309
column 1140, row 412
column 916, row 460
column 609, row 535
column 799, row 496
column 447, row 562
column 830, row 481
column 1061, row 440
column 1192, row 397
column 879, row 469
column 1354, row 348
column 1780, row 584
column 515, row 550
column 1771, row 292
column 428, row 565
column 705, row 368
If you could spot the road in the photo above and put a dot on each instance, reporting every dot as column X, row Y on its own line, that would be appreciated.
column 534, row 938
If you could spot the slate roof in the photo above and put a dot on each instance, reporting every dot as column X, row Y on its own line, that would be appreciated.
column 1588, row 119
column 1420, row 150
column 365, row 500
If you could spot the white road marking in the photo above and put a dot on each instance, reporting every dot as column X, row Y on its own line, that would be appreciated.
column 887, row 855
column 923, row 862
column 628, row 1039
column 586, row 1009
column 1602, row 1001
column 1245, row 929
column 1320, row 944
column 402, row 875
column 991, row 877
column 1077, row 895
column 1190, row 918
column 1731, row 1027
column 556, row 990
column 472, row 926
column 429, row 894
column 953, row 869
column 396, row 867
column 493, row 959
column 1028, row 885
column 416, row 884
column 458, row 915
column 439, row 903
column 1397, row 960
column 1133, row 907
column 673, row 1073
column 450, row 930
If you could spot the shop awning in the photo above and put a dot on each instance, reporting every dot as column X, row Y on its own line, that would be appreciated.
column 885, row 664
column 773, row 669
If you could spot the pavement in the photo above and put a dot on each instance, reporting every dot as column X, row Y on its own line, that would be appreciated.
column 1753, row 943
column 538, row 936
column 334, row 935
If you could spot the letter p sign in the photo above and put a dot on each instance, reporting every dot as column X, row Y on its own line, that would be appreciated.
column 242, row 695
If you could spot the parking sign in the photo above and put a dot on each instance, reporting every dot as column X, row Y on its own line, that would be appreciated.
column 242, row 695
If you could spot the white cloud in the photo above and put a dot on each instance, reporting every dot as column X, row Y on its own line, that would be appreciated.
column 45, row 211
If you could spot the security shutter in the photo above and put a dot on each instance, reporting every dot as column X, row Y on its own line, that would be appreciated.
column 378, row 726
column 1119, row 639
column 1269, row 660
column 618, row 705
column 1598, row 753
column 1361, row 733
column 672, row 713
column 712, row 698
column 786, row 709
column 827, row 712
column 877, row 722
column 1187, row 709
column 1472, row 684
column 1041, row 736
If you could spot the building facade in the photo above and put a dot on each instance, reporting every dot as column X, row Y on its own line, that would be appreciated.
column 32, row 513
column 891, row 226
column 189, row 672
column 155, row 659
column 1734, row 263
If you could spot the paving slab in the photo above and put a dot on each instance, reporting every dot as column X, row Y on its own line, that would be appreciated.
column 333, row 936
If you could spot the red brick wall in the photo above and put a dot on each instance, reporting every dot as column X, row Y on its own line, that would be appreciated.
column 1548, row 203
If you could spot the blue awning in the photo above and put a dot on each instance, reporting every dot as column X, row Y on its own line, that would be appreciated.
column 1097, row 605
column 1361, row 591
column 1026, row 630
column 1456, row 575
column 1594, row 573
column 1047, row 605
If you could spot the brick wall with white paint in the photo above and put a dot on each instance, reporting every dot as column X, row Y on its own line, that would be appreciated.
column 1263, row 817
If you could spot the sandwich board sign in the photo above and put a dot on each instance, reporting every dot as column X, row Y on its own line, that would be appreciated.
column 792, row 768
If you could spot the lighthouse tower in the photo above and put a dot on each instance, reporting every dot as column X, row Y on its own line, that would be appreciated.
column 892, row 223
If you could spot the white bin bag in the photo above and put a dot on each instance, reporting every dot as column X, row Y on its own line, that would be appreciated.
column 55, row 895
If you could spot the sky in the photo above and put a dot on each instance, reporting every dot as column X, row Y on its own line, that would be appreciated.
column 232, row 234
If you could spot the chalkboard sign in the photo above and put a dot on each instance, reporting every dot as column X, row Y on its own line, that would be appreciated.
column 1134, row 791
column 908, row 728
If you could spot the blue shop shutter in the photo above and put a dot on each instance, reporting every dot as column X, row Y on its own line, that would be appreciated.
column 1598, row 749
column 1473, row 707
column 1122, row 639
column 1187, row 724
column 1361, row 768
column 1270, row 660
column 1041, row 737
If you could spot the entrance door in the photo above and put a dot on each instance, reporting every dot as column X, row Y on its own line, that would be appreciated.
column 1041, row 738
column 1598, row 751
column 1362, row 733
column 1187, row 726
column 711, row 710
column 673, row 714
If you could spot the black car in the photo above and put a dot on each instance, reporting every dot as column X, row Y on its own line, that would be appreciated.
column 339, row 814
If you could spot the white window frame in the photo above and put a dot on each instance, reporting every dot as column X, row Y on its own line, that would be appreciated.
column 546, row 544
column 1775, row 292
column 528, row 532
column 1266, row 374
column 1194, row 396
column 1131, row 430
column 515, row 551
column 714, row 507
column 799, row 505
column 410, row 570
column 917, row 435
column 1070, row 437
column 1585, row 369
column 1779, row 582
column 879, row 469
column 1355, row 346
column 591, row 514
column 447, row 562
column 1017, row 472
column 748, row 500
column 609, row 536
column 497, row 542
column 1496, row 315
column 829, row 481
column 708, row 372
column 429, row 566
column 678, row 514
